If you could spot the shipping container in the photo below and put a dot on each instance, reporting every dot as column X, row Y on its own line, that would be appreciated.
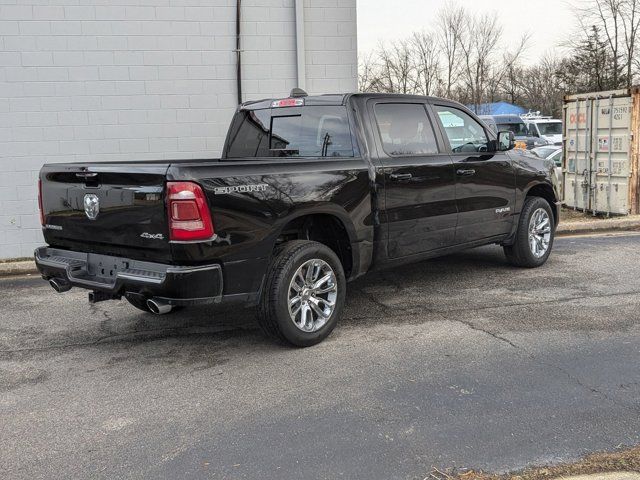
column 601, row 146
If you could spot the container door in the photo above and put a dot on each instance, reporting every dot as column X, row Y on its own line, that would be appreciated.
column 611, row 154
column 577, row 137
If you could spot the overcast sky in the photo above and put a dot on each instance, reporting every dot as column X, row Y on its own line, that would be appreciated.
column 549, row 21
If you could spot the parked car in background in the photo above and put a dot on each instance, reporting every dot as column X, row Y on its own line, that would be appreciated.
column 545, row 128
column 515, row 124
column 554, row 154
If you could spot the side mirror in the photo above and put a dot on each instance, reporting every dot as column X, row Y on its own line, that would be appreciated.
column 506, row 141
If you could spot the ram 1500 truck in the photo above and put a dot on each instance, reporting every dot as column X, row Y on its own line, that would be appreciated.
column 310, row 192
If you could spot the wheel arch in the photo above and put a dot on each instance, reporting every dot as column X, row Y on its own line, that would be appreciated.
column 330, row 226
column 545, row 191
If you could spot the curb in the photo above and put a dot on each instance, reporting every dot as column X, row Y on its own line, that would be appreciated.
column 605, row 476
column 28, row 267
column 599, row 226
column 10, row 269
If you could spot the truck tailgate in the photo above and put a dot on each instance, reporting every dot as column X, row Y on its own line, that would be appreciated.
column 110, row 208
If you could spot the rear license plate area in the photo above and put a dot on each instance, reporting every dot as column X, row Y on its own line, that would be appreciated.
column 105, row 268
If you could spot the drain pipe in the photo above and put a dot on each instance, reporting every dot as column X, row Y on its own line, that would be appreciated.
column 300, row 48
column 238, row 51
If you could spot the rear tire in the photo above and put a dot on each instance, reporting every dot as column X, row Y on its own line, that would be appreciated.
column 535, row 235
column 303, row 295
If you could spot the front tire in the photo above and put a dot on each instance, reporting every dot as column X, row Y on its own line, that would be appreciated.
column 304, row 294
column 535, row 235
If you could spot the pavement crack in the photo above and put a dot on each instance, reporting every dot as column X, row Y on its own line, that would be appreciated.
column 475, row 327
column 538, row 302
column 559, row 368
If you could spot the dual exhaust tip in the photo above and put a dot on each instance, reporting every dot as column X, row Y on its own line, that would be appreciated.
column 155, row 306
column 158, row 307
column 60, row 285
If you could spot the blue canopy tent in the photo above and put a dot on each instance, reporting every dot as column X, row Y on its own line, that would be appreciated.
column 497, row 108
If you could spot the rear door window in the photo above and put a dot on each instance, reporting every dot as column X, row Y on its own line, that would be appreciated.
column 405, row 129
column 291, row 132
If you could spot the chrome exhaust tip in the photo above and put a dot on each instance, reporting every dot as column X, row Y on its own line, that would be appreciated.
column 158, row 306
column 60, row 285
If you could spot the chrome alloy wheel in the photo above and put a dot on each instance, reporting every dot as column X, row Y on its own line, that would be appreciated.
column 313, row 292
column 539, row 232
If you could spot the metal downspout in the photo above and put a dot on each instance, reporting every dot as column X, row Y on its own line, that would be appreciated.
column 238, row 50
column 300, row 47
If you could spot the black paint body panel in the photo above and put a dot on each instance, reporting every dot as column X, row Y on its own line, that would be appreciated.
column 387, row 222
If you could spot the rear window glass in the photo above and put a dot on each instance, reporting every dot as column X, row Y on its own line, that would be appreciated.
column 291, row 132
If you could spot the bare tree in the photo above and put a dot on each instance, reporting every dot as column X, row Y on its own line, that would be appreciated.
column 396, row 68
column 631, row 27
column 463, row 57
column 426, row 60
column 619, row 22
column 478, row 42
column 541, row 87
column 367, row 78
column 451, row 23
column 505, row 79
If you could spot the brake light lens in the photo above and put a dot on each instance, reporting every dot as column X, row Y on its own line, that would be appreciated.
column 40, row 202
column 188, row 212
column 288, row 102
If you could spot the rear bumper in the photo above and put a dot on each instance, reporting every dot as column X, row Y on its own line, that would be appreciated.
column 117, row 277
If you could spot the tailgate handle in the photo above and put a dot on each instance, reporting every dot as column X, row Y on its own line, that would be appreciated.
column 466, row 173
column 86, row 175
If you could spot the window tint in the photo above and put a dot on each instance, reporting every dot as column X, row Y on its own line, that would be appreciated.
column 315, row 132
column 405, row 129
column 250, row 134
column 291, row 132
column 464, row 133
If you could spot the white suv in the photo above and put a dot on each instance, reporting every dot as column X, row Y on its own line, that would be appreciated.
column 545, row 128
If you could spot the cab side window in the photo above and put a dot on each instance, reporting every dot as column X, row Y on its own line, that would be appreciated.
column 465, row 134
column 405, row 129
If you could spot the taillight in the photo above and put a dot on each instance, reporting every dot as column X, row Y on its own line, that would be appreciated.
column 188, row 212
column 40, row 202
column 288, row 102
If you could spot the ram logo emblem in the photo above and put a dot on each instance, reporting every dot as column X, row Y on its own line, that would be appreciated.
column 91, row 206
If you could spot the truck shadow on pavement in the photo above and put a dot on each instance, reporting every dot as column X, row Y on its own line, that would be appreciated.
column 416, row 293
column 374, row 297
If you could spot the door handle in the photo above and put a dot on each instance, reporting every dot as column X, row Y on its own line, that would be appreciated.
column 466, row 173
column 400, row 177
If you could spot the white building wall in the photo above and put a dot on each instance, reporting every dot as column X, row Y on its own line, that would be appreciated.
column 101, row 80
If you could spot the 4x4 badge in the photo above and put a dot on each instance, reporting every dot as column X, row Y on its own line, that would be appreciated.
column 91, row 206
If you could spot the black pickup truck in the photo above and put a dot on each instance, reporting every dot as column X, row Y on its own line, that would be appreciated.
column 310, row 192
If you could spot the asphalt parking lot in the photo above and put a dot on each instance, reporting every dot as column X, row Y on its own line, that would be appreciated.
column 457, row 362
